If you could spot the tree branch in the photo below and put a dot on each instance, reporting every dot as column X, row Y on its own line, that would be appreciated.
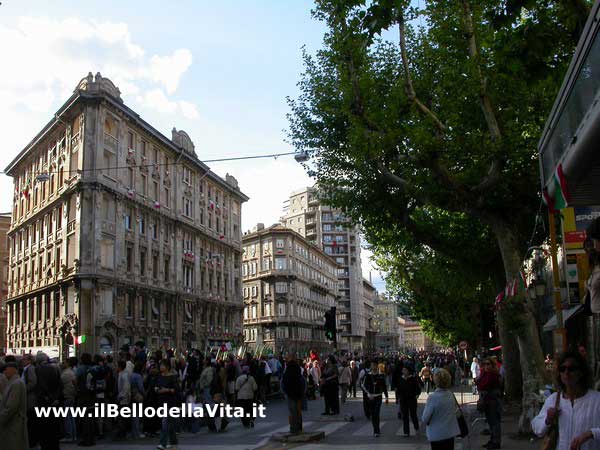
column 489, row 112
column 392, row 177
column 408, row 84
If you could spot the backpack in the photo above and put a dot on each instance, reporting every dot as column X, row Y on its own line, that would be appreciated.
column 215, row 384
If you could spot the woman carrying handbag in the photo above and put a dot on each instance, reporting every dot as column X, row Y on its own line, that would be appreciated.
column 573, row 411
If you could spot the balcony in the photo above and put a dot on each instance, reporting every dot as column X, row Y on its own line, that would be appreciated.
column 111, row 142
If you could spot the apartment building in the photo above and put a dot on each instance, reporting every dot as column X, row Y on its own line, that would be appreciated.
column 370, row 296
column 388, row 330
column 415, row 338
column 331, row 231
column 4, row 258
column 289, row 283
column 119, row 234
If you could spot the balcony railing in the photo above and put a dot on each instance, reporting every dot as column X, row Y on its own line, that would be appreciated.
column 111, row 142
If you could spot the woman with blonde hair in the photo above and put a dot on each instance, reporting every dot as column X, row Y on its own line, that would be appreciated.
column 440, row 413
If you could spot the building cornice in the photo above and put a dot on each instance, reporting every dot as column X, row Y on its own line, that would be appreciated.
column 102, row 95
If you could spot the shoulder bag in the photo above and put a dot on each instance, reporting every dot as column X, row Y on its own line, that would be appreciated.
column 462, row 422
column 551, row 440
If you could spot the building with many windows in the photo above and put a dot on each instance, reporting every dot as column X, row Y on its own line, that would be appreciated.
column 288, row 285
column 388, row 331
column 119, row 234
column 330, row 230
column 4, row 258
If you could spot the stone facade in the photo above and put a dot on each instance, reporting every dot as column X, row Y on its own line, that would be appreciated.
column 288, row 285
column 388, row 333
column 415, row 338
column 331, row 231
column 127, row 236
column 4, row 259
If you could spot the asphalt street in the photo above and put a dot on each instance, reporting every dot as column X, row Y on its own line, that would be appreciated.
column 339, row 432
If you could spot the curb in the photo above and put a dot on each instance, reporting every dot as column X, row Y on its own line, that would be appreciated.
column 298, row 438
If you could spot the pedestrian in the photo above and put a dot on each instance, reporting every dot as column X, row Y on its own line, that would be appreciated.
column 426, row 376
column 374, row 386
column 166, row 389
column 294, row 388
column 330, row 383
column 440, row 413
column 408, row 390
column 123, row 398
column 246, row 388
column 85, row 399
column 13, row 409
column 345, row 380
column 354, row 379
column 29, row 377
column 475, row 373
column 152, row 425
column 69, row 395
column 490, row 391
column 365, row 369
column 578, row 412
column 137, row 397
column 48, row 392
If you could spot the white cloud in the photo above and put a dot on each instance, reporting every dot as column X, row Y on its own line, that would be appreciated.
column 47, row 57
column 157, row 100
column 189, row 110
column 168, row 69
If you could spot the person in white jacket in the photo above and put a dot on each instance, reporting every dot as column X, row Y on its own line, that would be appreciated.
column 475, row 372
column 578, row 412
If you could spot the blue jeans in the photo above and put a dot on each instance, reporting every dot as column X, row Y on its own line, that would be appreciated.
column 70, row 425
column 295, row 415
column 167, row 432
column 375, row 409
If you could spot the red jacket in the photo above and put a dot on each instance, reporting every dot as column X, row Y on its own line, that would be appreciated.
column 488, row 381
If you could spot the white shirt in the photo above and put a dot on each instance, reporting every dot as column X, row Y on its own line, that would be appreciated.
column 573, row 420
column 475, row 370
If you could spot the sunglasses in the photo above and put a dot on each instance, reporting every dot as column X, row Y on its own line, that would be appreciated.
column 562, row 369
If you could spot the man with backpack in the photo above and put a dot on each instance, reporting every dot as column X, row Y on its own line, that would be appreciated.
column 374, row 386
column 294, row 387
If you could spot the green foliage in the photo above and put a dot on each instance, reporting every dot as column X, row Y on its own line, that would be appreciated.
column 433, row 148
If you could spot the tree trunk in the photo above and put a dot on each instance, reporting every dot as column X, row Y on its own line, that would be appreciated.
column 513, row 379
column 531, row 354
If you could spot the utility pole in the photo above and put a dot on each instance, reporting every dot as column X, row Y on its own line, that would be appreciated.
column 560, row 333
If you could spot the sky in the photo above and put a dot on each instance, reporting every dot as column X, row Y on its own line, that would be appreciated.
column 221, row 71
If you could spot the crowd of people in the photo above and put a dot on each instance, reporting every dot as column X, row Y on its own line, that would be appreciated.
column 136, row 376
column 133, row 376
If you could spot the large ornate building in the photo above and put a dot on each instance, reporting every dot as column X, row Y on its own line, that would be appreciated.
column 288, row 285
column 120, row 234
column 330, row 230
column 4, row 258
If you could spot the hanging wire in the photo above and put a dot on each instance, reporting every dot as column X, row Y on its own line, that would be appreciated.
column 176, row 163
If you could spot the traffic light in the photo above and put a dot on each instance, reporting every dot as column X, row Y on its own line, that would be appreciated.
column 330, row 325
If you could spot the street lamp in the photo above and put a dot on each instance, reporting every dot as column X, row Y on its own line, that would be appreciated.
column 41, row 177
column 301, row 157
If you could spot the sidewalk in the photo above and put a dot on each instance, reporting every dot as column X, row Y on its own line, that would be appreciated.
column 511, row 440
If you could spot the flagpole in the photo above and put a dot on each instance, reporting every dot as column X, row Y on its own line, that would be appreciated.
column 560, row 334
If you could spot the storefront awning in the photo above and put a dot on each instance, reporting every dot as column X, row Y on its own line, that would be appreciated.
column 567, row 314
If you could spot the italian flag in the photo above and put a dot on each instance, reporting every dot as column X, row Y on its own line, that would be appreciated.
column 561, row 192
column 499, row 297
column 522, row 281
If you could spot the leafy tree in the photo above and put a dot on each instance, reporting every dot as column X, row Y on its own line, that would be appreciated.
column 444, row 116
column 445, row 294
